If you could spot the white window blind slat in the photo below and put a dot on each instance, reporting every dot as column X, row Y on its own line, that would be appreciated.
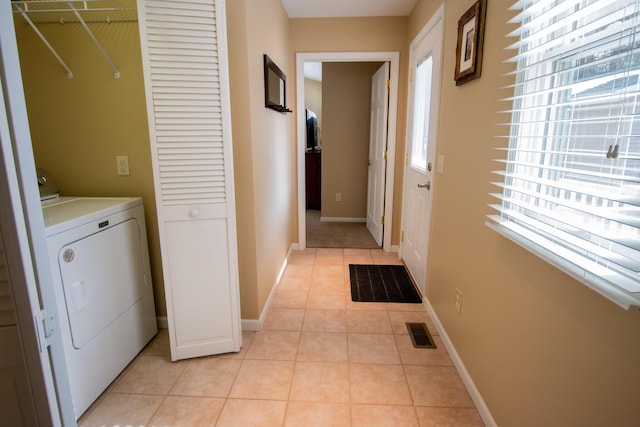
column 625, row 216
column 576, row 170
column 555, row 234
column 633, row 200
column 571, row 190
column 569, row 222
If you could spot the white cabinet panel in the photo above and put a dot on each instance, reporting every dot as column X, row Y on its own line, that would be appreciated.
column 200, row 284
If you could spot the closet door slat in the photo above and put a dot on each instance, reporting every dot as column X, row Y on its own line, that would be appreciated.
column 182, row 40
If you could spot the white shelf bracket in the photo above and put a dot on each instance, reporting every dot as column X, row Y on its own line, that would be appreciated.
column 95, row 40
column 44, row 40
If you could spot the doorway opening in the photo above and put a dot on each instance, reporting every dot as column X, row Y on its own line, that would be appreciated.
column 311, row 218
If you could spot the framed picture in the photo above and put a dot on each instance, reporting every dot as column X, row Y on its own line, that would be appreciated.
column 470, row 40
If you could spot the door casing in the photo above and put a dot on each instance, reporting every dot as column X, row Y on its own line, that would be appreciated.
column 394, row 59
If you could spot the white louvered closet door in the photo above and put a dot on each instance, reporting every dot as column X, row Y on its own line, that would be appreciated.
column 186, row 81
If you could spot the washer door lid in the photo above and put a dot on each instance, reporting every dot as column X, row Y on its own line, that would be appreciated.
column 102, row 277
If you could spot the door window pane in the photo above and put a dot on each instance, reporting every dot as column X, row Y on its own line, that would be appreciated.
column 422, row 108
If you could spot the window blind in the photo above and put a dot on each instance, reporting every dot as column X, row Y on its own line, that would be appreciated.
column 570, row 183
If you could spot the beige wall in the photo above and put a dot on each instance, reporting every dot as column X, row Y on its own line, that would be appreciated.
column 543, row 349
column 384, row 34
column 264, row 150
column 346, row 103
column 79, row 125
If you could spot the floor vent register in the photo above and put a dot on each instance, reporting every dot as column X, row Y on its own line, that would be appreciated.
column 420, row 335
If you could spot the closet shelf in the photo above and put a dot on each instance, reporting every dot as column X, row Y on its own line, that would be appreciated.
column 61, row 11
column 74, row 11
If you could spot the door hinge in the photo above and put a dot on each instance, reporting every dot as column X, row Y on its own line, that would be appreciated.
column 381, row 220
column 402, row 236
column 411, row 74
column 387, row 83
column 406, row 159
column 384, row 154
column 45, row 325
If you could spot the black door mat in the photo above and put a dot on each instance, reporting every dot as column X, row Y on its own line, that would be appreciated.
column 420, row 336
column 382, row 283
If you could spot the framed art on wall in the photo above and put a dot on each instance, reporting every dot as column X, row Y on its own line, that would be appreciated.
column 470, row 42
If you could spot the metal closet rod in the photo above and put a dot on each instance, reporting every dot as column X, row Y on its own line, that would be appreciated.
column 75, row 11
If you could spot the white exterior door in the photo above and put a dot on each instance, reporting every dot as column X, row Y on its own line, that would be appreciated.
column 377, row 152
column 186, row 80
column 425, row 63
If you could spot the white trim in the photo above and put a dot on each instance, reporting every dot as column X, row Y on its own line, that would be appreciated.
column 481, row 406
column 437, row 16
column 251, row 325
column 394, row 59
column 396, row 249
column 340, row 219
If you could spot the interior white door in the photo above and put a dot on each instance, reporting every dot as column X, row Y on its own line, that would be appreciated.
column 186, row 80
column 425, row 60
column 377, row 152
column 34, row 386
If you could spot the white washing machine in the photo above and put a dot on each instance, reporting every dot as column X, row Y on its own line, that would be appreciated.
column 100, row 263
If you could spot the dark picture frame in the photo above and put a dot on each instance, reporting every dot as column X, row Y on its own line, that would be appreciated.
column 470, row 43
column 275, row 87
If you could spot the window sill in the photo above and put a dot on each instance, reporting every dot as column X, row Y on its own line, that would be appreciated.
column 628, row 300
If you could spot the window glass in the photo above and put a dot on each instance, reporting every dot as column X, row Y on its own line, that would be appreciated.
column 422, row 108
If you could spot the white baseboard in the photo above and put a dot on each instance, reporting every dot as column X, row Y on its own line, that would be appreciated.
column 256, row 324
column 482, row 407
column 162, row 322
column 251, row 325
column 395, row 249
column 338, row 219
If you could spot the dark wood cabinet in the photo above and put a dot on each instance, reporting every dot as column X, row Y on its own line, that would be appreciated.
column 313, row 168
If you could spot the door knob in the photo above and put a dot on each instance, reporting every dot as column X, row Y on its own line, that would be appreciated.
column 427, row 185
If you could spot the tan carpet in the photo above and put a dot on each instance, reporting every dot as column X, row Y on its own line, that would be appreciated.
column 337, row 234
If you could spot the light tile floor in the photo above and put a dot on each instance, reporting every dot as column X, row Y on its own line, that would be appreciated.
column 320, row 360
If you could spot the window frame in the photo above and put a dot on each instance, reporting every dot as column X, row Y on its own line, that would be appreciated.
column 533, row 228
